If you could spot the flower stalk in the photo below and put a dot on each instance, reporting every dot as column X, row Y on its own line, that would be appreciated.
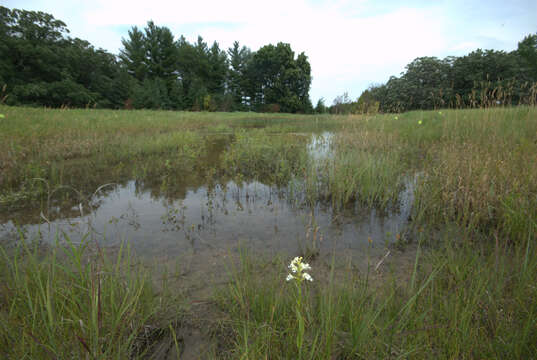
column 297, row 275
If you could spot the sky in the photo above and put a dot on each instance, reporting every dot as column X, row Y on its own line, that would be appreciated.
column 350, row 44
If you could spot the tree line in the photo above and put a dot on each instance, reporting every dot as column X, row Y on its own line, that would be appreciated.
column 480, row 78
column 41, row 65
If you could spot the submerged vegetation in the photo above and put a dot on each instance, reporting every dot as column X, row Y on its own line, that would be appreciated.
column 468, row 290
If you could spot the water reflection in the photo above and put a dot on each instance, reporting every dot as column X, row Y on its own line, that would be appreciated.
column 320, row 145
column 199, row 214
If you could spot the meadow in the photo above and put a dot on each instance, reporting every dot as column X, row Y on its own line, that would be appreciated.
column 465, row 290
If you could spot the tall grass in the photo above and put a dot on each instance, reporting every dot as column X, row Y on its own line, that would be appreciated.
column 470, row 294
column 478, row 171
column 475, row 167
column 72, row 301
column 362, row 167
column 458, row 302
column 56, row 144
column 258, row 155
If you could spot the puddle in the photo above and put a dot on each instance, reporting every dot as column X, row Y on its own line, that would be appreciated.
column 199, row 220
column 320, row 146
column 258, row 215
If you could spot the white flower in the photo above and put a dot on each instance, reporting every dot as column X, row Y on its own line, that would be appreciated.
column 293, row 268
column 298, row 267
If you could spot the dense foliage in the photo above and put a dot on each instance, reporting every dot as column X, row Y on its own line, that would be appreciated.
column 41, row 65
column 481, row 78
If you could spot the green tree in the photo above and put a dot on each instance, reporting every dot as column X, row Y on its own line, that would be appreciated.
column 151, row 57
column 481, row 78
column 527, row 50
column 152, row 94
column 217, row 69
column 367, row 104
column 237, row 81
column 133, row 54
column 42, row 66
column 193, row 70
column 276, row 78
column 320, row 108
column 34, row 44
column 160, row 52
column 426, row 81
column 482, row 75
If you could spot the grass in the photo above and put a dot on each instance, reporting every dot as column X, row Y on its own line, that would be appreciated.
column 255, row 154
column 58, row 145
column 470, row 293
column 478, row 171
column 457, row 303
column 73, row 300
column 475, row 166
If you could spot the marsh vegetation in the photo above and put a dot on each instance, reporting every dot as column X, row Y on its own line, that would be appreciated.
column 163, row 234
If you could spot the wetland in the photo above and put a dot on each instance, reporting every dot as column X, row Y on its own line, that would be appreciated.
column 201, row 213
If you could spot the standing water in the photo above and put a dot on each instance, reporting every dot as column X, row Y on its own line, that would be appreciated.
column 205, row 219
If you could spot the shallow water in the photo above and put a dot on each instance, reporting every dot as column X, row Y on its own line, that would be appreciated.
column 198, row 217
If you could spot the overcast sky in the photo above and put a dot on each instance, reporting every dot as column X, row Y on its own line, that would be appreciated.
column 350, row 44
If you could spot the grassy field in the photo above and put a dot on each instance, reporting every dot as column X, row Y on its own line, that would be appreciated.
column 470, row 291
